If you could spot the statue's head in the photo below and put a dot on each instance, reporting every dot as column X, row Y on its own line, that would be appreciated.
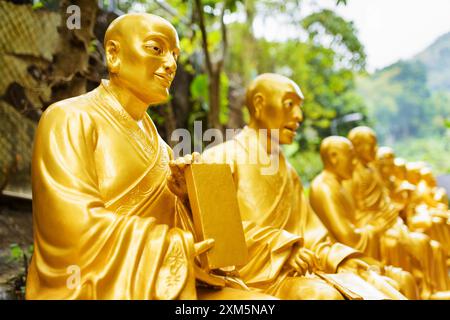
column 338, row 156
column 141, row 54
column 385, row 161
column 400, row 168
column 427, row 175
column 364, row 141
column 413, row 172
column 274, row 103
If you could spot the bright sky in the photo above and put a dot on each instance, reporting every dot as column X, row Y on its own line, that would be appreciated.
column 397, row 29
column 389, row 29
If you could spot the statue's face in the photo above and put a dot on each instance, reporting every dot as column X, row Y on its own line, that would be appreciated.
column 386, row 165
column 367, row 148
column 148, row 59
column 281, row 111
column 343, row 161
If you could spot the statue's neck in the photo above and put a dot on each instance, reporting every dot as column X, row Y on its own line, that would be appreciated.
column 329, row 173
column 134, row 106
column 272, row 146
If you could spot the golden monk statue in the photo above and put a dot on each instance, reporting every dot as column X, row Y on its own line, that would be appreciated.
column 287, row 242
column 425, row 214
column 110, row 209
column 412, row 198
column 433, row 196
column 335, row 207
column 374, row 207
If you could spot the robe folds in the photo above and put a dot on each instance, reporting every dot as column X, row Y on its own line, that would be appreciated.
column 105, row 222
column 273, row 201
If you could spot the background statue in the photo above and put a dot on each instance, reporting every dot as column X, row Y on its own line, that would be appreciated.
column 294, row 243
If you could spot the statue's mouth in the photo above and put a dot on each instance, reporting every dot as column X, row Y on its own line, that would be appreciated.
column 166, row 80
column 292, row 127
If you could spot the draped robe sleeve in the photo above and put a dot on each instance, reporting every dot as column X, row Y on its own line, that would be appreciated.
column 93, row 240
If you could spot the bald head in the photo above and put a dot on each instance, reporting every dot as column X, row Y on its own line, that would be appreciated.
column 268, row 84
column 121, row 27
column 361, row 134
column 337, row 156
column 384, row 153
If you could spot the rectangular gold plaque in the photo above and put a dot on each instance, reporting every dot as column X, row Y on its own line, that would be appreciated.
column 216, row 215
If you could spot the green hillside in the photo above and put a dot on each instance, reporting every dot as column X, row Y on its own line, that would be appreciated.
column 409, row 105
column 436, row 59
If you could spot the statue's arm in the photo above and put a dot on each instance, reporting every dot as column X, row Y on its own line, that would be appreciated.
column 333, row 216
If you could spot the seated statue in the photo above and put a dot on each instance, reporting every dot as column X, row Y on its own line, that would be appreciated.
column 425, row 214
column 374, row 207
column 414, row 201
column 398, row 191
column 111, row 216
column 293, row 243
column 434, row 196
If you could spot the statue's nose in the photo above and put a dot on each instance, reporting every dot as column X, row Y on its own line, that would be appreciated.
column 170, row 66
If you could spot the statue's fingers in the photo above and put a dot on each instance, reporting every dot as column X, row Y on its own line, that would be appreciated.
column 203, row 246
column 303, row 265
column 196, row 157
column 188, row 159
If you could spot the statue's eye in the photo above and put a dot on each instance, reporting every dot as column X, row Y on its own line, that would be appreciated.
column 154, row 48
column 289, row 103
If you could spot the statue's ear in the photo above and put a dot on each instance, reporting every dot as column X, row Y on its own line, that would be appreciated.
column 258, row 104
column 112, row 49
column 333, row 157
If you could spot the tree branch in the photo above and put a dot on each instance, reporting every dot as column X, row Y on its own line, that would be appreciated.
column 223, row 29
column 201, row 18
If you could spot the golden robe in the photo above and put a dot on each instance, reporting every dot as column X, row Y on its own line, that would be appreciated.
column 104, row 218
column 276, row 203
column 412, row 251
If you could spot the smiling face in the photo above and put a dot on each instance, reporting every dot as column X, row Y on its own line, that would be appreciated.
column 142, row 52
column 277, row 106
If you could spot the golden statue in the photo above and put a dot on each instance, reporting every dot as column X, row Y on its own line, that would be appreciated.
column 292, row 245
column 433, row 196
column 413, row 198
column 374, row 207
column 110, row 208
column 336, row 209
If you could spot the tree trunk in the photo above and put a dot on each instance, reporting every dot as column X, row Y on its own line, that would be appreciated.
column 214, row 100
column 71, row 63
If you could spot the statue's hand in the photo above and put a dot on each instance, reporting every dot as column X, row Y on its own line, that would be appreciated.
column 302, row 260
column 176, row 181
column 203, row 246
column 353, row 265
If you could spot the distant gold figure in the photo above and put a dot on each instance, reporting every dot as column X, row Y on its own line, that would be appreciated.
column 374, row 207
column 110, row 209
column 336, row 208
column 425, row 214
column 293, row 241
column 414, row 199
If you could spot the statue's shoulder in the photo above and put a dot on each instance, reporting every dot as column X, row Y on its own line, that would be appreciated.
column 68, row 108
column 321, row 184
column 67, row 114
column 221, row 152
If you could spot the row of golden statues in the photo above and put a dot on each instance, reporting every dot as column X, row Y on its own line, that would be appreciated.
column 112, row 217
